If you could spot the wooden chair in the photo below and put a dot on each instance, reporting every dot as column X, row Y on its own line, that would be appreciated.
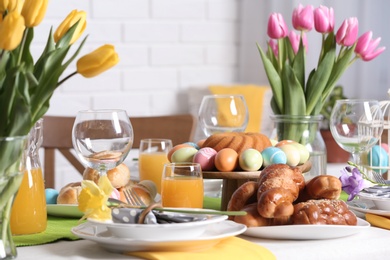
column 57, row 135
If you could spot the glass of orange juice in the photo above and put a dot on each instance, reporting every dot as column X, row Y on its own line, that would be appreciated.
column 153, row 154
column 182, row 185
column 28, row 213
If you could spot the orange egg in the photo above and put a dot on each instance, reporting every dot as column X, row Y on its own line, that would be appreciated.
column 176, row 147
column 226, row 160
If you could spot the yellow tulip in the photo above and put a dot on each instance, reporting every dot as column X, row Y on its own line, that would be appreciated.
column 34, row 11
column 11, row 31
column 69, row 21
column 9, row 5
column 98, row 61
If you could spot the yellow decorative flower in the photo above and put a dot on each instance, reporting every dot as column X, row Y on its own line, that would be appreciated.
column 98, row 61
column 72, row 18
column 93, row 199
column 34, row 11
column 9, row 5
column 11, row 31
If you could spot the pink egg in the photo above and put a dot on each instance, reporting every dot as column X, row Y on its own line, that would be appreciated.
column 205, row 157
column 385, row 146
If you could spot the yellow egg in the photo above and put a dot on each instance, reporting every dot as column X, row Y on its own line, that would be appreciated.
column 226, row 160
column 303, row 152
column 292, row 154
column 184, row 154
column 174, row 149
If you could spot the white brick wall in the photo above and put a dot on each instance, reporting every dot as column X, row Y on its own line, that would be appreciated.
column 165, row 47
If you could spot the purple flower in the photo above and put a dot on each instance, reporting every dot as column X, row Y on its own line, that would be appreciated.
column 352, row 185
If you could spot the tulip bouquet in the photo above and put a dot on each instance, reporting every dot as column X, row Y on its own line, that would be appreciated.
column 284, row 60
column 26, row 86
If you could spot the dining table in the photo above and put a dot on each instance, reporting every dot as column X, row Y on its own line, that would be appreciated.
column 369, row 243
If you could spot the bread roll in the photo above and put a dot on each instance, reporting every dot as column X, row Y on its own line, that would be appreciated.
column 118, row 176
column 69, row 193
column 327, row 212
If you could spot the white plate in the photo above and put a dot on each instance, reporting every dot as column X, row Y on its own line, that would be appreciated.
column 366, row 206
column 305, row 232
column 212, row 235
column 165, row 231
column 64, row 210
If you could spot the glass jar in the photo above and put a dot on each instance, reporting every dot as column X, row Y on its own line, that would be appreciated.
column 28, row 215
column 305, row 130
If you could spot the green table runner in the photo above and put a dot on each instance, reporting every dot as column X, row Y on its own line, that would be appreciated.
column 57, row 229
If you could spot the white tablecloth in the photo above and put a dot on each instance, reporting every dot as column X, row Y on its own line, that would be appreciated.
column 372, row 243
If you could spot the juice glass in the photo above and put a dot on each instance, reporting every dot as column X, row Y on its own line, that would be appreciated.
column 153, row 154
column 182, row 185
column 28, row 213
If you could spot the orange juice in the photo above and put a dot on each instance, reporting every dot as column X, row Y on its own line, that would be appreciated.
column 185, row 192
column 28, row 214
column 151, row 166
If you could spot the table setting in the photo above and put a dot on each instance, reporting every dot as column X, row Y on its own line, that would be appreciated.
column 257, row 199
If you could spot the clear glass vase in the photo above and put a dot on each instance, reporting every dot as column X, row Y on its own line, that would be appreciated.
column 12, row 166
column 305, row 130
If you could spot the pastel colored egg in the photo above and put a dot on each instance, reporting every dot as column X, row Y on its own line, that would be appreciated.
column 283, row 142
column 250, row 160
column 292, row 154
column 196, row 146
column 174, row 149
column 226, row 160
column 205, row 157
column 273, row 155
column 51, row 196
column 184, row 154
column 385, row 146
column 378, row 157
column 304, row 154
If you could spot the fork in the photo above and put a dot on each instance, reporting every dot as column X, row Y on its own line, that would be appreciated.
column 132, row 197
column 378, row 178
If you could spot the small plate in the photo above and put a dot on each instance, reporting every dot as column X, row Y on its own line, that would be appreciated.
column 172, row 231
column 64, row 210
column 305, row 232
column 366, row 206
column 212, row 235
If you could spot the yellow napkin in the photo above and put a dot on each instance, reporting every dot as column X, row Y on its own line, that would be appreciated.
column 378, row 221
column 231, row 248
column 253, row 95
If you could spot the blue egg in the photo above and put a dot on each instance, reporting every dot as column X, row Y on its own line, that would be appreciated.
column 273, row 155
column 51, row 196
column 193, row 145
column 378, row 157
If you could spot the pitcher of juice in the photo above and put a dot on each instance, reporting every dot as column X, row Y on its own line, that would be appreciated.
column 28, row 213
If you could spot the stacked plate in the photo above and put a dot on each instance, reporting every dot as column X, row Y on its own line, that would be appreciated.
column 120, row 237
column 374, row 200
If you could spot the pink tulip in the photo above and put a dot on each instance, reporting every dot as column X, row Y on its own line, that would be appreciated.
column 302, row 18
column 347, row 33
column 274, row 46
column 324, row 19
column 295, row 40
column 366, row 47
column 277, row 27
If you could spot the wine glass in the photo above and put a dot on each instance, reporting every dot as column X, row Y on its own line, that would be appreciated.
column 102, row 138
column 223, row 113
column 356, row 125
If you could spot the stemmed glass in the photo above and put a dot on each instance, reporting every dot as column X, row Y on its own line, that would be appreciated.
column 356, row 125
column 102, row 138
column 223, row 113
